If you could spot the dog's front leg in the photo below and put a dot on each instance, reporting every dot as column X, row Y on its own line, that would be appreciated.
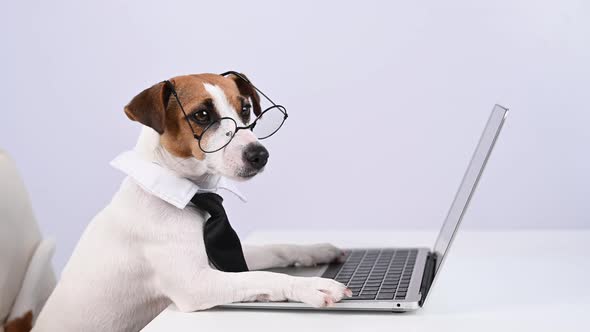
column 281, row 255
column 212, row 288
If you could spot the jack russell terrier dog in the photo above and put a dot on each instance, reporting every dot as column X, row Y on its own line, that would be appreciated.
column 145, row 250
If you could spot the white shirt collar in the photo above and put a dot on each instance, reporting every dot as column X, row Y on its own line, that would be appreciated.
column 164, row 183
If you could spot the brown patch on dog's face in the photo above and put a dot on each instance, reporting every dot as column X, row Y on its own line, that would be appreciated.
column 248, row 91
column 178, row 137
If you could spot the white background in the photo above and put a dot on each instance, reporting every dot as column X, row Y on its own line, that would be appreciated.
column 387, row 101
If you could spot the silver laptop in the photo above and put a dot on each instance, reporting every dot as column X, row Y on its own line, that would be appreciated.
column 398, row 279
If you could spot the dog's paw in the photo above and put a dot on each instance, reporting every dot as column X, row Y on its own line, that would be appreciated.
column 317, row 292
column 309, row 255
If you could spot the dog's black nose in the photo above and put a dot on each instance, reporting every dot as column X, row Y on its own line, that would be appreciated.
column 256, row 155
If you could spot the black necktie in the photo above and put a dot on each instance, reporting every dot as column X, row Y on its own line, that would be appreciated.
column 221, row 241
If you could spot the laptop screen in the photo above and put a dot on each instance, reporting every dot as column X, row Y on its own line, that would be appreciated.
column 470, row 179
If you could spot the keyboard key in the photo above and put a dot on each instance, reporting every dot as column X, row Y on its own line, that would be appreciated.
column 387, row 288
column 389, row 284
column 362, row 297
column 385, row 296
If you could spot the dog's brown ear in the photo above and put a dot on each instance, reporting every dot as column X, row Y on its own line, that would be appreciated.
column 149, row 107
column 247, row 90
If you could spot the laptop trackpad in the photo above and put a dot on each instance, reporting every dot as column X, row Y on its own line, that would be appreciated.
column 301, row 271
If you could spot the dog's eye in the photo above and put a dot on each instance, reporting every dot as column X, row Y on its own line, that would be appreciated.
column 246, row 110
column 202, row 117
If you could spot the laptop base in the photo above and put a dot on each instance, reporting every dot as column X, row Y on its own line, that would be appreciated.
column 410, row 302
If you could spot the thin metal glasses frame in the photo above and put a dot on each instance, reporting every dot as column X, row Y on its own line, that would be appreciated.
column 250, row 126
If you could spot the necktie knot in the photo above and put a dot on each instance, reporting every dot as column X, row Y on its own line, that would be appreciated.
column 210, row 202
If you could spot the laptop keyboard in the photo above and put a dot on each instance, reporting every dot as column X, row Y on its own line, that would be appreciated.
column 375, row 274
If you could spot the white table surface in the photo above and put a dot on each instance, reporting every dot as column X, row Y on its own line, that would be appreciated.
column 491, row 281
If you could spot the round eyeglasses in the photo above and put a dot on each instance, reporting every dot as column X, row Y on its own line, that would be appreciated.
column 217, row 134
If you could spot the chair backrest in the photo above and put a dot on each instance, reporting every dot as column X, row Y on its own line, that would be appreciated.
column 19, row 234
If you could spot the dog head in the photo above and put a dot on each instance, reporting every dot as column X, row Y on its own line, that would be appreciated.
column 205, row 99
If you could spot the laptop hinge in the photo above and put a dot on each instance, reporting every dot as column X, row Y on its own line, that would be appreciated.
column 427, row 277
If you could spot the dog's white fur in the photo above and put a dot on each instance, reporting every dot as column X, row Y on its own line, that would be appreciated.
column 140, row 254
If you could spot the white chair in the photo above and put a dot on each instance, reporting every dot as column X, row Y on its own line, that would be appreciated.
column 26, row 275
